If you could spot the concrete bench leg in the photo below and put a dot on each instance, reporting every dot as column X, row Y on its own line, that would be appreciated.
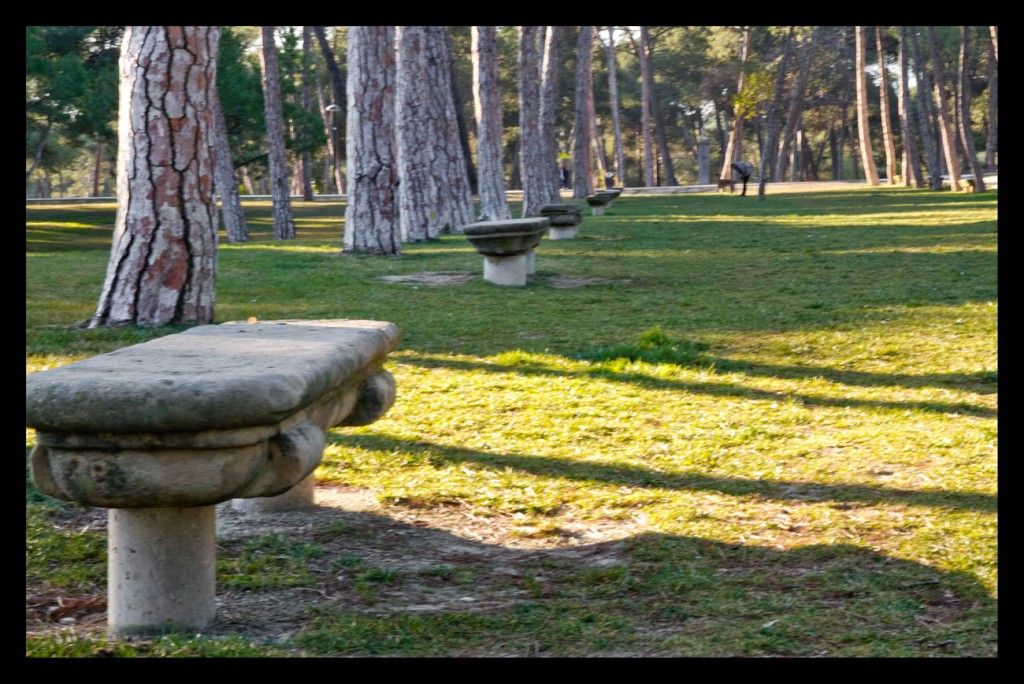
column 161, row 569
column 510, row 270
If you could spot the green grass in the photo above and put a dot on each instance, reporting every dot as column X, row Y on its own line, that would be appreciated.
column 794, row 402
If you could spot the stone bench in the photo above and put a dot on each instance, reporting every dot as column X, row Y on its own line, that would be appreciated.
column 599, row 200
column 507, row 247
column 565, row 220
column 161, row 432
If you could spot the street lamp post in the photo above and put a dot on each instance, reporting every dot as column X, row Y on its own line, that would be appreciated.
column 333, row 108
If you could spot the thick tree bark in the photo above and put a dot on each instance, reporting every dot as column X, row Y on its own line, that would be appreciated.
column 924, row 114
column 887, row 137
column 734, row 147
column 371, row 220
column 533, row 164
column 965, row 112
column 337, row 119
column 487, row 104
column 224, row 180
column 467, row 152
column 433, row 195
column 908, row 131
column 163, row 259
column 945, row 124
column 613, row 96
column 284, row 224
column 583, row 181
column 864, row 132
column 306, row 99
column 549, row 93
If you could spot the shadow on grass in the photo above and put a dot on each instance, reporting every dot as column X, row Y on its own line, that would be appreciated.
column 645, row 595
column 780, row 490
column 718, row 389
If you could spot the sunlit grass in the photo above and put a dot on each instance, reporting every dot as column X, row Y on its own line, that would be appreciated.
column 796, row 401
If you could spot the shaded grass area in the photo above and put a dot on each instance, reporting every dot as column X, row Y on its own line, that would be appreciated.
column 793, row 401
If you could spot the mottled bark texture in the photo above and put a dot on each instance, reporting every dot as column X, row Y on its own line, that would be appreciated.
column 284, row 224
column 883, row 103
column 548, row 108
column 163, row 257
column 645, row 110
column 371, row 216
column 613, row 97
column 964, row 120
column 944, row 114
column 433, row 195
column 910, row 162
column 925, row 121
column 487, row 107
column 864, row 132
column 231, row 213
column 583, row 178
column 531, row 149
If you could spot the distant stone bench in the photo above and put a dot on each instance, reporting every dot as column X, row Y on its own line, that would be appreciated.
column 599, row 200
column 507, row 247
column 161, row 432
column 565, row 220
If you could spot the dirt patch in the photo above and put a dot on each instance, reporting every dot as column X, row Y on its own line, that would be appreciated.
column 431, row 278
column 563, row 281
column 448, row 557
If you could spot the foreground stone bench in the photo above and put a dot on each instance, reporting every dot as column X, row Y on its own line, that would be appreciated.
column 565, row 220
column 163, row 431
column 507, row 247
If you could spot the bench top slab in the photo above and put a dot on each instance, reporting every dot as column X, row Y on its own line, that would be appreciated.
column 530, row 224
column 211, row 377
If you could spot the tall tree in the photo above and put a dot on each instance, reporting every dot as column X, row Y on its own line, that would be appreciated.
column 583, row 180
column 487, row 101
column 433, row 195
column 804, row 50
column 163, row 258
column 734, row 146
column 305, row 131
column 646, row 82
column 548, row 108
column 887, row 136
column 467, row 151
column 992, row 128
column 646, row 48
column 863, row 128
column 924, row 114
column 773, row 116
column 943, row 112
column 232, row 214
column 966, row 137
column 335, row 118
column 371, row 220
column 613, row 104
column 284, row 224
column 533, row 164
column 911, row 166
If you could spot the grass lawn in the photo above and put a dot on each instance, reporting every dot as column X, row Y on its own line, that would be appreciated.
column 775, row 422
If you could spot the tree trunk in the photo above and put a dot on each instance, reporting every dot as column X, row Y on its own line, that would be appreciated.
column 371, row 221
column 284, row 225
column 306, row 99
column 337, row 117
column 733, row 149
column 911, row 166
column 864, row 132
column 796, row 104
column 887, row 137
column 433, row 195
column 924, row 114
column 460, row 119
column 613, row 96
column 163, row 259
column 224, row 180
column 945, row 125
column 549, row 94
column 992, row 129
column 773, row 115
column 533, row 164
column 583, row 181
column 40, row 146
column 965, row 113
column 645, row 108
column 487, row 105
column 659, row 121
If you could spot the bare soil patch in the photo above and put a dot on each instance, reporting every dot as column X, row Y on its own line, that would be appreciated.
column 426, row 549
